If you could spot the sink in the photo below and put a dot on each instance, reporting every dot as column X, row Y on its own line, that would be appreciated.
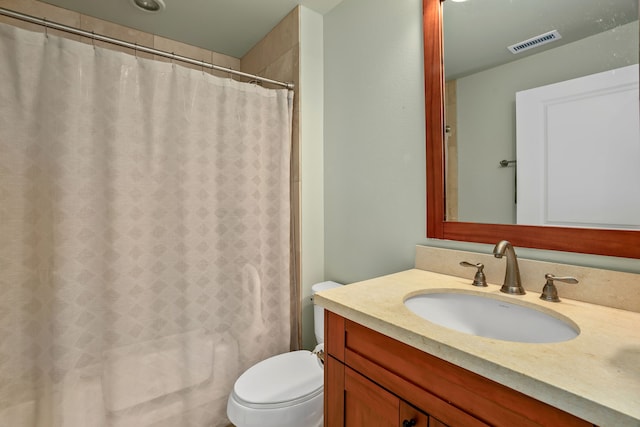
column 490, row 317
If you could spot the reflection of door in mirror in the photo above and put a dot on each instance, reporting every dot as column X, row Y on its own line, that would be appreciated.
column 482, row 128
column 578, row 145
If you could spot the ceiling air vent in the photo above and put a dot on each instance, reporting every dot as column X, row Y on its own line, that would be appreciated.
column 535, row 41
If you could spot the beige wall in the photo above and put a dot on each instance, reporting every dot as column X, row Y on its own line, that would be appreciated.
column 277, row 56
column 88, row 23
column 451, row 178
column 596, row 286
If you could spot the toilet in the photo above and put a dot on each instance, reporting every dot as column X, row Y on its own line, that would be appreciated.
column 286, row 390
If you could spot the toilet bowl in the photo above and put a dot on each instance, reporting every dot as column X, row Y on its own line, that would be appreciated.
column 286, row 390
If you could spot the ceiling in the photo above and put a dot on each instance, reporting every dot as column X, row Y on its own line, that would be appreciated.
column 477, row 32
column 231, row 27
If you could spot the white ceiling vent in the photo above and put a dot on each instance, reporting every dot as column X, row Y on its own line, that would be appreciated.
column 535, row 41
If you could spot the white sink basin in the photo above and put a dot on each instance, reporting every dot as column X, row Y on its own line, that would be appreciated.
column 491, row 318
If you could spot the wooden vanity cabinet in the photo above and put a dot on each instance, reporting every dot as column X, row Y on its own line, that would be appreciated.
column 374, row 380
column 367, row 404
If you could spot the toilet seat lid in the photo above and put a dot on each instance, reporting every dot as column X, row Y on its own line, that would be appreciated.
column 281, row 379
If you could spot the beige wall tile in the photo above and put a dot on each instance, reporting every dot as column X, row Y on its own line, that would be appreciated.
column 276, row 56
column 280, row 39
column 110, row 29
column 294, row 279
column 88, row 23
column 284, row 67
column 596, row 286
column 295, row 148
column 451, row 179
column 182, row 49
column 197, row 53
column 41, row 10
column 224, row 61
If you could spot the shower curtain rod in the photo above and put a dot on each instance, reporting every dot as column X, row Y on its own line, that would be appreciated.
column 90, row 34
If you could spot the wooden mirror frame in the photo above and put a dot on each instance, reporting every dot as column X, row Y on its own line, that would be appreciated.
column 620, row 243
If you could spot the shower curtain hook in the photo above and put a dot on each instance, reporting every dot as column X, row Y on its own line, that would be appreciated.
column 173, row 58
column 46, row 27
column 135, row 50
column 93, row 39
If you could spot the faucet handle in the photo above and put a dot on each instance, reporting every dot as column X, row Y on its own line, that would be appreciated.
column 549, row 292
column 479, row 279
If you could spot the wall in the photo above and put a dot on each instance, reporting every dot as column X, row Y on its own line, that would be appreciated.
column 373, row 138
column 88, row 23
column 486, row 115
column 293, row 51
column 451, row 149
column 374, row 146
column 277, row 56
column 311, row 163
column 596, row 286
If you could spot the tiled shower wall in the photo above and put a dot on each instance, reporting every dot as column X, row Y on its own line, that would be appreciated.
column 451, row 177
column 276, row 56
column 88, row 23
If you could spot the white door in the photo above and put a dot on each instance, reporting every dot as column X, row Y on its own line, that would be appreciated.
column 578, row 152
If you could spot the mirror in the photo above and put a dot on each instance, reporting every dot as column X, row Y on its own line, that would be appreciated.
column 485, row 118
column 607, row 241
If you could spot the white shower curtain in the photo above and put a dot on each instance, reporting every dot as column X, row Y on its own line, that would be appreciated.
column 144, row 236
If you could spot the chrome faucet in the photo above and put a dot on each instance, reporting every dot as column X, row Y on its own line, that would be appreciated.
column 512, row 282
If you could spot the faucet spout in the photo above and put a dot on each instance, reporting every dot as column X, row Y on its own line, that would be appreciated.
column 512, row 282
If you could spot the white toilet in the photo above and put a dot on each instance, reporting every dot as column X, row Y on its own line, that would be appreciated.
column 285, row 390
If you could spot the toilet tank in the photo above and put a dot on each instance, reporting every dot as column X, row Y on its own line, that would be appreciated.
column 318, row 312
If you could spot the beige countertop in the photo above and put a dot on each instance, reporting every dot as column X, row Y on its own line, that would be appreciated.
column 595, row 376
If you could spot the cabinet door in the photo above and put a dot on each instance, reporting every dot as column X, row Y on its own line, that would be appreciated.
column 413, row 417
column 367, row 404
column 436, row 423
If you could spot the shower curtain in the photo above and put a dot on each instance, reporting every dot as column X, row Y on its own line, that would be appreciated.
column 144, row 236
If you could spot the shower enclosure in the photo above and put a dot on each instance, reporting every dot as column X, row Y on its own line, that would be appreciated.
column 144, row 235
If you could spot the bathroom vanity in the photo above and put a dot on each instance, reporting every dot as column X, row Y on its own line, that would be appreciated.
column 387, row 366
column 372, row 377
